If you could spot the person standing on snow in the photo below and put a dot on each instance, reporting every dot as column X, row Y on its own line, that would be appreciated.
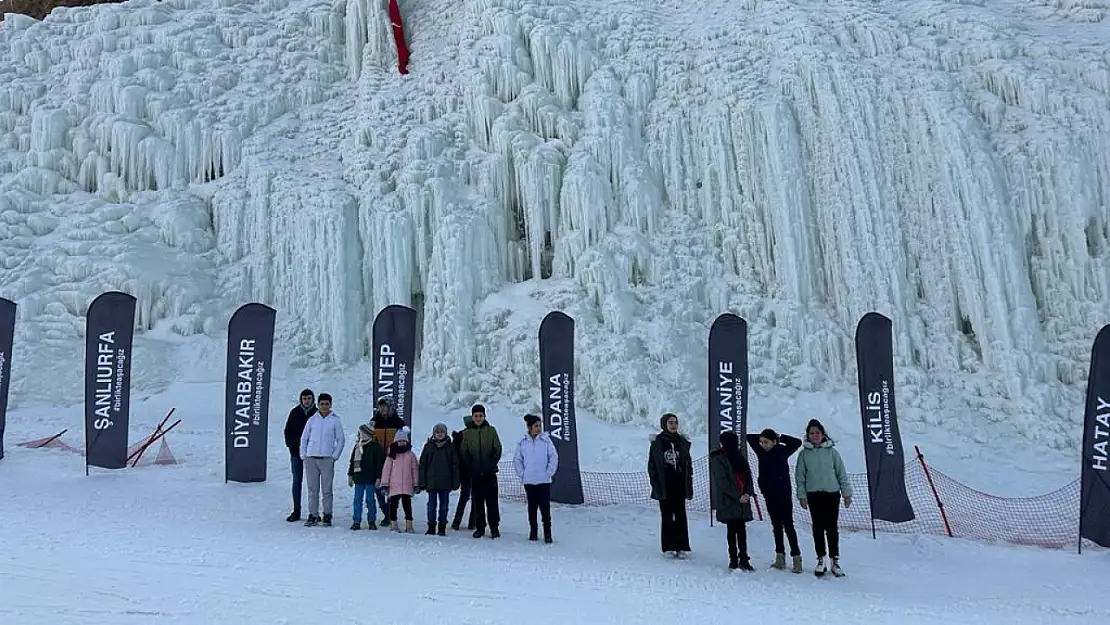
column 536, row 461
column 481, row 451
column 294, row 427
column 773, row 453
column 400, row 476
column 364, row 473
column 671, row 473
column 386, row 424
column 321, row 445
column 821, row 480
column 464, row 481
column 730, row 489
column 439, row 475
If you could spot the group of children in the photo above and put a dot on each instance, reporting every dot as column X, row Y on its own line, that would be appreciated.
column 383, row 466
column 820, row 484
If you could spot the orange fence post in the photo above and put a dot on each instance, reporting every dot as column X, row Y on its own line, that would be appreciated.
column 929, row 477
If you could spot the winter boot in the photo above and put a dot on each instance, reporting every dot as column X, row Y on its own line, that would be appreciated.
column 745, row 565
column 311, row 521
column 480, row 532
column 780, row 562
column 385, row 522
column 836, row 570
column 408, row 527
column 733, row 563
column 371, row 525
column 442, row 531
column 493, row 532
column 293, row 516
column 819, row 570
column 431, row 530
column 396, row 525
column 547, row 533
column 456, row 524
column 356, row 525
column 534, row 533
column 327, row 520
column 797, row 565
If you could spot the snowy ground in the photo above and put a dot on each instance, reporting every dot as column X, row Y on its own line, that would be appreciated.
column 177, row 545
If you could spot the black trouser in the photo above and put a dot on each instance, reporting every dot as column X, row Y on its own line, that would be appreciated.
column 296, row 465
column 406, row 503
column 539, row 500
column 781, row 510
column 824, row 509
column 674, row 531
column 464, row 497
column 737, row 540
column 483, row 491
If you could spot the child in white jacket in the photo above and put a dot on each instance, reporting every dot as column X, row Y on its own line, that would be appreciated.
column 536, row 462
column 321, row 445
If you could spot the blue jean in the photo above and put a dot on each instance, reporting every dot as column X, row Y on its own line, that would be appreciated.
column 443, row 499
column 365, row 492
column 296, row 465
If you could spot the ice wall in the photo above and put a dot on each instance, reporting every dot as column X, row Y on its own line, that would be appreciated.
column 939, row 163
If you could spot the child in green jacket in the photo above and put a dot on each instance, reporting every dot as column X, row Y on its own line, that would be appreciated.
column 821, row 481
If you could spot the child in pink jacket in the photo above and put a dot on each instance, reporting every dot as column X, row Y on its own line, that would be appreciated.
column 401, row 475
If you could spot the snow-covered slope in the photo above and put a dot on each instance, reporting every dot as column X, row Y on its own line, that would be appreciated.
column 656, row 162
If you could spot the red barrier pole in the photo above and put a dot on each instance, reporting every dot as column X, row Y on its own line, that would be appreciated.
column 51, row 439
column 929, row 477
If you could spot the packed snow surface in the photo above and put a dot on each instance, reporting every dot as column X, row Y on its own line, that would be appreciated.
column 176, row 545
column 642, row 165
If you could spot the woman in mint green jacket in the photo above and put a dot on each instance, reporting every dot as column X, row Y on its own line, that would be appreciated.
column 821, row 480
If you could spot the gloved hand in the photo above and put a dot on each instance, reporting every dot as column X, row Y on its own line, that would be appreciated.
column 350, row 480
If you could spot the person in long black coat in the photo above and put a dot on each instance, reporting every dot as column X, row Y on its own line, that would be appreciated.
column 773, row 452
column 671, row 473
column 730, row 490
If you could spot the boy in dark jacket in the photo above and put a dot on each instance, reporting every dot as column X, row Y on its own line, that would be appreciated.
column 464, row 481
column 730, row 489
column 481, row 451
column 773, row 453
column 364, row 473
column 439, row 475
column 294, row 427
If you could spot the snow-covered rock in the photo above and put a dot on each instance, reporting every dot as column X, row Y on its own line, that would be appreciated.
column 641, row 165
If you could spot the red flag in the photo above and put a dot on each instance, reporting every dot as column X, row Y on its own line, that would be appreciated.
column 399, row 37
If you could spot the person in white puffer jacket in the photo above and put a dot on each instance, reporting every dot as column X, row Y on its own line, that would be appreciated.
column 536, row 462
column 321, row 445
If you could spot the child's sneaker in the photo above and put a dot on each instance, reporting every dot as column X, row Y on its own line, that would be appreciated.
column 371, row 525
column 836, row 570
column 819, row 570
column 311, row 521
column 356, row 525
column 327, row 520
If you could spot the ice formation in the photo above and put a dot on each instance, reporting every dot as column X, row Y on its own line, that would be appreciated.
column 641, row 166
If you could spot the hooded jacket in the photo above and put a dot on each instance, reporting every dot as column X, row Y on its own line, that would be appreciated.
column 323, row 437
column 536, row 460
column 669, row 454
column 439, row 466
column 294, row 427
column 386, row 426
column 820, row 469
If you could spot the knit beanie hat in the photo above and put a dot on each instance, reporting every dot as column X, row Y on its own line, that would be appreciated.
column 365, row 431
column 439, row 427
column 403, row 435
